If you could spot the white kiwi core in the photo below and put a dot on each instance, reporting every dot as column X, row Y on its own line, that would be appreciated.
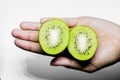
column 54, row 37
column 82, row 39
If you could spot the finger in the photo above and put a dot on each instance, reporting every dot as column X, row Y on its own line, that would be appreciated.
column 72, row 21
column 29, row 46
column 30, row 26
column 25, row 35
column 64, row 61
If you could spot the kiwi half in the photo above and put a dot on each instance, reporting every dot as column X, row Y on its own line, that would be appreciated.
column 82, row 43
column 54, row 36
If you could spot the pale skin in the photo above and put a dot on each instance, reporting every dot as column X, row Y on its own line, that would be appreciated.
column 108, row 51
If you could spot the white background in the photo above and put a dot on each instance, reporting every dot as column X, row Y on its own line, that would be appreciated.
column 17, row 64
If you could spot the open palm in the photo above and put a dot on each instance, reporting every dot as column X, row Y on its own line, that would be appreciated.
column 108, row 51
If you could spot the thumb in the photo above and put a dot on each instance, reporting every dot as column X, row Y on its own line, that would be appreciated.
column 69, row 63
column 70, row 21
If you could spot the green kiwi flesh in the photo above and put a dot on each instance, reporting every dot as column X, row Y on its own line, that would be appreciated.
column 54, row 36
column 82, row 43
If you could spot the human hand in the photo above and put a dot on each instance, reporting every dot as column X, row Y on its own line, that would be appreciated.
column 108, row 51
